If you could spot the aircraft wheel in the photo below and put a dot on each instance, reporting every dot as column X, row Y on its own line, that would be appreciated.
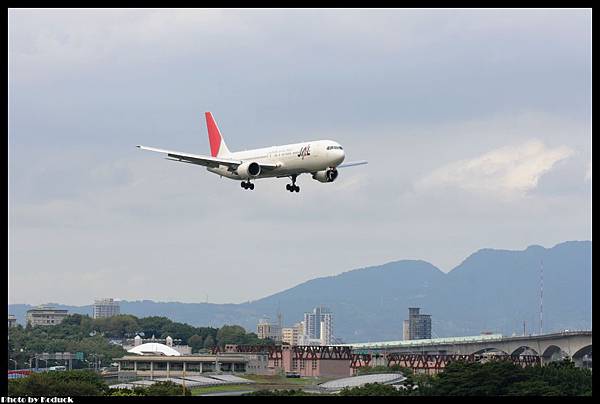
column 287, row 186
column 297, row 188
column 251, row 186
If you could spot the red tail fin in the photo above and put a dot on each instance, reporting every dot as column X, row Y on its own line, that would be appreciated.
column 214, row 135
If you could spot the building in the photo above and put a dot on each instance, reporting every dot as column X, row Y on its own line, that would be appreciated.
column 134, row 366
column 292, row 335
column 419, row 325
column 168, row 341
column 312, row 361
column 406, row 330
column 153, row 360
column 106, row 308
column 12, row 321
column 319, row 325
column 265, row 329
column 307, row 361
column 45, row 315
column 154, row 348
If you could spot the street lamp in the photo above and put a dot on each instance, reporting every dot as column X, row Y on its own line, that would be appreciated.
column 14, row 362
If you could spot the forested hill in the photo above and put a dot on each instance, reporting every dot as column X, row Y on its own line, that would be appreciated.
column 491, row 290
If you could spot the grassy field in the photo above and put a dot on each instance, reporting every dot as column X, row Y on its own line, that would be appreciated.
column 263, row 382
column 196, row 391
column 278, row 379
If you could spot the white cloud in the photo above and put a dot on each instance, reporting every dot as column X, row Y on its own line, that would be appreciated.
column 508, row 171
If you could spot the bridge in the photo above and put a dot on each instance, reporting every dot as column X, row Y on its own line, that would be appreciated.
column 548, row 347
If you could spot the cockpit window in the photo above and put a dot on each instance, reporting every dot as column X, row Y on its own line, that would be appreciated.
column 334, row 148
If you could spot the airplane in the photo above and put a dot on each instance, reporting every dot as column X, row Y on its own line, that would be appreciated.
column 320, row 158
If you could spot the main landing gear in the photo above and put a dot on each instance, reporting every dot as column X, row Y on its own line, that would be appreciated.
column 293, row 187
column 247, row 185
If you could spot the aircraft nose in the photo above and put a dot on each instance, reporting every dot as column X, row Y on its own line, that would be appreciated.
column 339, row 156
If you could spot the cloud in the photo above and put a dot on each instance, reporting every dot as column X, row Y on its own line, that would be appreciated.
column 509, row 171
column 410, row 91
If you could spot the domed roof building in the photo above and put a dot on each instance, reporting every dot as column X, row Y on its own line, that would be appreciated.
column 154, row 348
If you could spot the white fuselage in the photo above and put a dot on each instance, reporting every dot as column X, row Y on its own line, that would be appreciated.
column 291, row 159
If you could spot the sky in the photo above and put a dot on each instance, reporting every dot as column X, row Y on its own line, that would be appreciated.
column 476, row 125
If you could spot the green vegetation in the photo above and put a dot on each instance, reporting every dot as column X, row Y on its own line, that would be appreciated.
column 157, row 389
column 83, row 383
column 371, row 389
column 80, row 333
column 196, row 391
column 458, row 379
column 282, row 381
column 281, row 393
column 506, row 379
column 69, row 383
column 476, row 379
column 166, row 389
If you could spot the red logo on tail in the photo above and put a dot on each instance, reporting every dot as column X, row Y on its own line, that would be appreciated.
column 214, row 136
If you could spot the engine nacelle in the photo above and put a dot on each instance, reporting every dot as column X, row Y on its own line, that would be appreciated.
column 249, row 169
column 326, row 175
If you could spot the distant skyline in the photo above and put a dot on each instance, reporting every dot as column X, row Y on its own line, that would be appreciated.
column 476, row 125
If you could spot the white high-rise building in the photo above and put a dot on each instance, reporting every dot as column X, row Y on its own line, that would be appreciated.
column 106, row 308
column 318, row 325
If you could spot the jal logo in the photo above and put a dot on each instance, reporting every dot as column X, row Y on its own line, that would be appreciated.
column 304, row 151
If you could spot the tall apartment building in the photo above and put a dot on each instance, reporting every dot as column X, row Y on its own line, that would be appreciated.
column 291, row 335
column 419, row 325
column 45, row 315
column 106, row 308
column 406, row 330
column 319, row 325
column 12, row 321
column 265, row 329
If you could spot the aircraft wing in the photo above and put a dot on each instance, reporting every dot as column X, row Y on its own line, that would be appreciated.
column 352, row 163
column 201, row 160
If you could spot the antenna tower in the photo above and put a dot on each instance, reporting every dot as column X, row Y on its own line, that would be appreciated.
column 541, row 296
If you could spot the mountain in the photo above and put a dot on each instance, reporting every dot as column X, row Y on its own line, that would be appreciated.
column 491, row 290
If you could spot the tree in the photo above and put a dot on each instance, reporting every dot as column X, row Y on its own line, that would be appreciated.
column 476, row 379
column 66, row 383
column 166, row 389
column 499, row 378
column 371, row 389
column 195, row 341
column 209, row 342
column 153, row 325
column 231, row 334
column 291, row 392
column 127, row 392
column 533, row 388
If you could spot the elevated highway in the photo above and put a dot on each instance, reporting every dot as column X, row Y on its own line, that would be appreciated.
column 574, row 344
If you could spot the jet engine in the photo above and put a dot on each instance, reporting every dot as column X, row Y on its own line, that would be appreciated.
column 326, row 175
column 249, row 169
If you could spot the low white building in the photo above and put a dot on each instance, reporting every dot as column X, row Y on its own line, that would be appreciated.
column 45, row 315
column 154, row 348
column 168, row 342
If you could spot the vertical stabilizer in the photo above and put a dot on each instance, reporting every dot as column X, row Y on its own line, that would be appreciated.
column 218, row 148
